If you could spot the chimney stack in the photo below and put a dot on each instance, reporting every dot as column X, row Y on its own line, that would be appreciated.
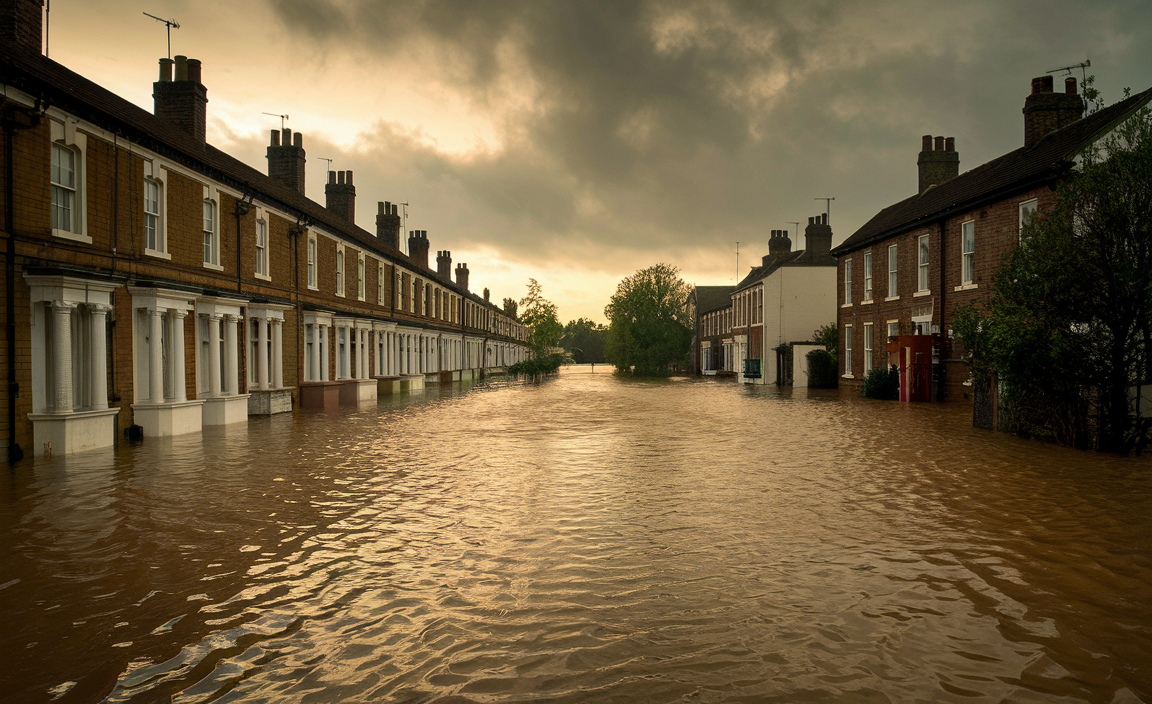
column 817, row 237
column 1046, row 111
column 340, row 195
column 183, row 99
column 938, row 162
column 418, row 247
column 486, row 295
column 286, row 159
column 779, row 243
column 22, row 25
column 444, row 265
column 388, row 224
column 462, row 276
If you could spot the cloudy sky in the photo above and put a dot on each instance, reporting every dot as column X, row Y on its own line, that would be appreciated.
column 575, row 142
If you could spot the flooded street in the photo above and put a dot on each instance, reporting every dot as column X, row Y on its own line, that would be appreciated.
column 586, row 539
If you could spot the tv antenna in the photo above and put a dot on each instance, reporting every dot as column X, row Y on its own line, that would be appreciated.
column 827, row 208
column 1083, row 66
column 789, row 222
column 282, row 119
column 329, row 164
column 737, row 262
column 170, row 24
column 404, row 227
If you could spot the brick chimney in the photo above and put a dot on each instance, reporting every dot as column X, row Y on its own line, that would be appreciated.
column 486, row 295
column 286, row 159
column 418, row 247
column 388, row 224
column 340, row 195
column 1045, row 111
column 444, row 265
column 817, row 237
column 182, row 99
column 938, row 162
column 462, row 276
column 22, row 25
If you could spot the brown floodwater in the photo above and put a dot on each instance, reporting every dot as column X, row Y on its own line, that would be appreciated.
column 587, row 539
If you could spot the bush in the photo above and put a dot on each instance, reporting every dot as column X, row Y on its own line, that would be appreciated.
column 881, row 383
column 821, row 370
column 548, row 364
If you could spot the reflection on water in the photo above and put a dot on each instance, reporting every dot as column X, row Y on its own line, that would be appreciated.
column 586, row 539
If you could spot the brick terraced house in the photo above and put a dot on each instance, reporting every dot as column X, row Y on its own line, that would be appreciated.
column 711, row 310
column 902, row 275
column 154, row 284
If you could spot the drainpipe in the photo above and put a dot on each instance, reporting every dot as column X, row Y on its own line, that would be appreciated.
column 939, row 386
column 15, row 453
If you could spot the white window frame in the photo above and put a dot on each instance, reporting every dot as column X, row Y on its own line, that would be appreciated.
column 923, row 257
column 211, row 197
column 893, row 267
column 312, row 249
column 153, row 177
column 64, row 136
column 867, row 277
column 847, row 282
column 968, row 254
column 340, row 270
column 361, row 269
column 891, row 323
column 1025, row 210
column 868, row 357
column 262, row 265
column 848, row 351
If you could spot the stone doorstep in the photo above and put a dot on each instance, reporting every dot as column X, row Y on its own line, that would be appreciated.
column 267, row 402
column 74, row 431
column 225, row 410
column 320, row 394
column 166, row 419
column 356, row 391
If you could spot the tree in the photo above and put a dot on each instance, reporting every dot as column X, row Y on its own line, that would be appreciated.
column 539, row 316
column 1071, row 310
column 510, row 308
column 648, row 327
column 585, row 340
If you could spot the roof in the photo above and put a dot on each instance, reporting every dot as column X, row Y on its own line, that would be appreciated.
column 710, row 298
column 61, row 87
column 775, row 262
column 1017, row 170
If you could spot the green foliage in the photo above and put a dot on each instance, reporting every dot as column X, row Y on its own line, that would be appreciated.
column 510, row 308
column 881, row 383
column 648, row 317
column 537, row 366
column 584, row 339
column 822, row 370
column 829, row 336
column 1072, row 305
column 539, row 316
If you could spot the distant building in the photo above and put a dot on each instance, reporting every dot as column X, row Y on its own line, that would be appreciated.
column 902, row 275
column 711, row 308
column 784, row 300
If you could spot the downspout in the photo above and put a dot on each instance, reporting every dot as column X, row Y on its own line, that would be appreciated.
column 943, row 330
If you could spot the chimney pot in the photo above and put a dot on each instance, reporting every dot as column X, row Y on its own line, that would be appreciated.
column 824, row 219
column 811, row 221
column 181, row 68
column 395, row 211
column 950, row 144
column 194, row 70
column 331, row 177
column 349, row 177
column 1047, row 84
column 340, row 177
column 275, row 141
column 939, row 144
column 1037, row 85
column 926, row 145
column 1070, row 85
column 298, row 140
column 166, row 70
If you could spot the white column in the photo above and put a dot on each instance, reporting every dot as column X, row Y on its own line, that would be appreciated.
column 178, row 372
column 231, row 364
column 348, row 342
column 324, row 353
column 277, row 353
column 214, row 354
column 97, row 316
column 315, row 354
column 155, row 357
column 361, row 353
column 262, row 354
column 62, row 354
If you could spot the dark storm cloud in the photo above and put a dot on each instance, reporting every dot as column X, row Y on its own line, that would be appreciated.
column 663, row 128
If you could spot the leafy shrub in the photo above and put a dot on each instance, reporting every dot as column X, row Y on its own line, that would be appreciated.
column 881, row 383
column 821, row 370
column 547, row 364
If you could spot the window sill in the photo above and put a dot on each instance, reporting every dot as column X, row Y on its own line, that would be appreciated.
column 156, row 253
column 966, row 287
column 213, row 267
column 263, row 277
column 847, row 376
column 919, row 294
column 74, row 236
column 339, row 295
column 313, row 288
column 866, row 303
column 891, row 298
column 845, row 305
